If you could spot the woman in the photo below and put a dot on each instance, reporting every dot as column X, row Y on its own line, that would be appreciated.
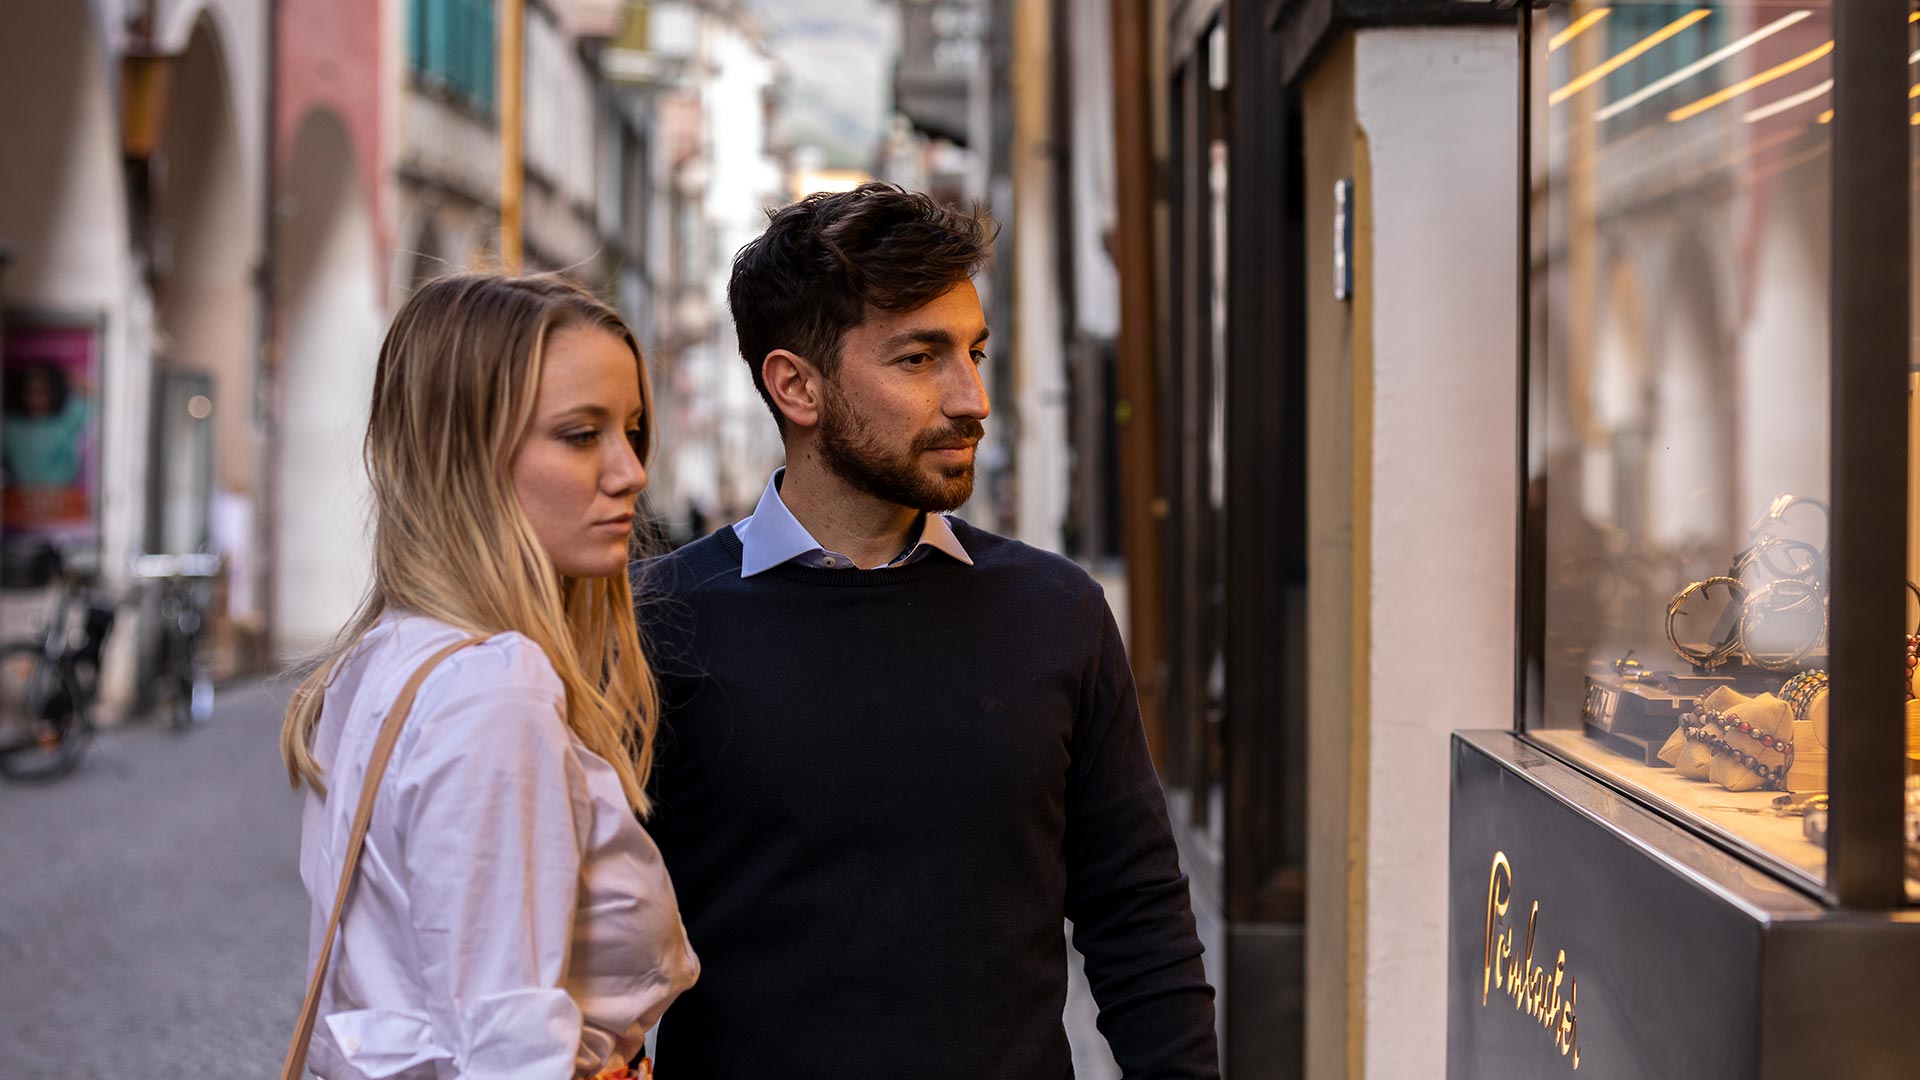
column 510, row 917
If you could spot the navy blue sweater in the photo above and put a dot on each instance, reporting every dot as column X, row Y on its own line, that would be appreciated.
column 880, row 792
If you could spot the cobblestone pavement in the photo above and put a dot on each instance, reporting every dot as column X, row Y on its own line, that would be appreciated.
column 152, row 920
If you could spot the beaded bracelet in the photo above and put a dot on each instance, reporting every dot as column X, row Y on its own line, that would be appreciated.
column 1772, row 777
column 1800, row 691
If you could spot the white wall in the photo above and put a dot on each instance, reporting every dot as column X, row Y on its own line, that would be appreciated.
column 1041, row 438
column 332, row 333
column 1432, row 475
column 1437, row 110
column 742, row 181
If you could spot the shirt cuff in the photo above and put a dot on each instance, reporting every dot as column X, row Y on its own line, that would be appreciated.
column 378, row 1043
column 519, row 1035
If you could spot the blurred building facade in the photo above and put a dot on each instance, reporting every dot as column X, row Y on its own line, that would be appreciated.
column 133, row 207
column 227, row 199
column 718, row 169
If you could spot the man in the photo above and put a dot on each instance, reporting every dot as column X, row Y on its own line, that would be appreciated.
column 897, row 751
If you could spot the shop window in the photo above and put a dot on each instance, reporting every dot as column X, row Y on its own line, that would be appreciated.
column 1913, row 476
column 1679, row 456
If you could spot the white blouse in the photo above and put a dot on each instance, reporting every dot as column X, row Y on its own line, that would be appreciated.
column 511, row 918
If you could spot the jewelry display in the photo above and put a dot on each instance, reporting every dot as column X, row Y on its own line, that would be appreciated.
column 1763, row 562
column 1797, row 804
column 1784, row 597
column 1913, row 661
column 1814, row 825
column 1715, row 654
column 1778, row 581
column 1913, row 827
column 1774, row 519
column 1633, row 708
column 1740, row 743
column 1705, row 728
column 1750, row 711
column 1800, row 691
column 1913, row 644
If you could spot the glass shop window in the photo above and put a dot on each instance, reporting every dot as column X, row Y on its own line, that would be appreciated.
column 1679, row 207
column 1913, row 480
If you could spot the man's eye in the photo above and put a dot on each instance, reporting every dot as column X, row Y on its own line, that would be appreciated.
column 917, row 360
column 979, row 356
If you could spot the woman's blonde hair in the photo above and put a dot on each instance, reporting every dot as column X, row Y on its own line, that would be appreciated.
column 453, row 397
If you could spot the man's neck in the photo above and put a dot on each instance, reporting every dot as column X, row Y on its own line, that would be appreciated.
column 869, row 530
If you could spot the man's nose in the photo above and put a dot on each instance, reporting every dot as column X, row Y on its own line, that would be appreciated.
column 967, row 394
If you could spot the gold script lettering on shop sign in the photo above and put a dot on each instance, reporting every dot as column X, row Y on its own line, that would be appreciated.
column 1545, row 995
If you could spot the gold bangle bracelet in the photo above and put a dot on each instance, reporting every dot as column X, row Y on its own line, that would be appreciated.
column 1716, row 655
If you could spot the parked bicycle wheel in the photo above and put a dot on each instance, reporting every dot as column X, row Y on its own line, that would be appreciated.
column 44, row 728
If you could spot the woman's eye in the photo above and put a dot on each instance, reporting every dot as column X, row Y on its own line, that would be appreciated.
column 581, row 438
column 637, row 438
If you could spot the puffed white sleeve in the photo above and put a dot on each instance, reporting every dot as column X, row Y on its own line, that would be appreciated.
column 493, row 820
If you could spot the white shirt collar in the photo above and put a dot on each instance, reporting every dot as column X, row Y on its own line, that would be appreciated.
column 772, row 536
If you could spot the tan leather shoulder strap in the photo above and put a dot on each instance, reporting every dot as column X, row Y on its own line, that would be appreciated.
column 296, row 1062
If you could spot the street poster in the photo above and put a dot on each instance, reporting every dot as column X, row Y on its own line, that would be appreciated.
column 49, row 435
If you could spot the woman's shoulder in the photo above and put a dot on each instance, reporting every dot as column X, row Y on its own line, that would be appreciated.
column 508, row 670
column 493, row 713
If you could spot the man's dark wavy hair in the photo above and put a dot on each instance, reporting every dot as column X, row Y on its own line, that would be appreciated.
column 826, row 261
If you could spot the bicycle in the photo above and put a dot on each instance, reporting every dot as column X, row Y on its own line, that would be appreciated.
column 183, row 676
column 47, row 687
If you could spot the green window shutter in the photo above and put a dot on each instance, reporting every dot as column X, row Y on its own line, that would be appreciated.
column 417, row 34
column 489, row 49
column 439, row 34
column 470, row 42
column 462, row 58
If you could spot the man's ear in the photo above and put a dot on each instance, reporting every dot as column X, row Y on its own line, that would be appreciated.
column 795, row 385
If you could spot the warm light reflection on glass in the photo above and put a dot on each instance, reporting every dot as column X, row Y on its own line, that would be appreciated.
column 1745, row 85
column 1578, row 26
column 1791, row 101
column 1826, row 117
column 1626, row 56
column 1700, row 65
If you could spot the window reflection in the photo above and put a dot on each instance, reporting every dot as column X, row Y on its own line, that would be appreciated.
column 1680, row 206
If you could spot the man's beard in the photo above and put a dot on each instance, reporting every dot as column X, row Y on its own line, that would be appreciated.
column 898, row 478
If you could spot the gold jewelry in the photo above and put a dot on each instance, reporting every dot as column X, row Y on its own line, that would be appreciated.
column 1713, row 656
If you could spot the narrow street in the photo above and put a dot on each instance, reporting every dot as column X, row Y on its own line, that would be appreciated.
column 155, row 922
